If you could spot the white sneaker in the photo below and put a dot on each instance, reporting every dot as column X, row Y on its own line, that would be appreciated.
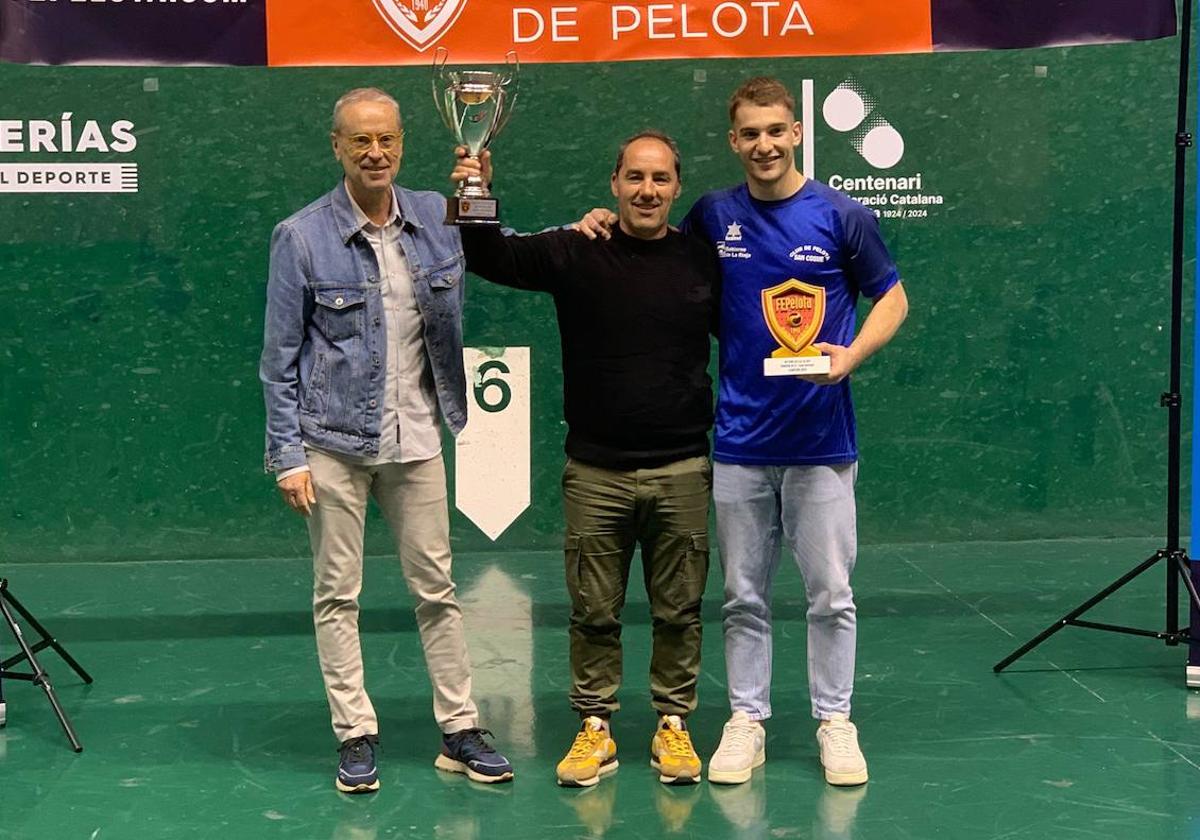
column 840, row 756
column 742, row 748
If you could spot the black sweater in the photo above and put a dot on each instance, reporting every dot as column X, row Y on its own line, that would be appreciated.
column 635, row 317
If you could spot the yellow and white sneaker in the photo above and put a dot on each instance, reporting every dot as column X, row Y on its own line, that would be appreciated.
column 672, row 754
column 592, row 755
column 840, row 756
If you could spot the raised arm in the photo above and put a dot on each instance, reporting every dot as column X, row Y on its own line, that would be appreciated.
column 537, row 262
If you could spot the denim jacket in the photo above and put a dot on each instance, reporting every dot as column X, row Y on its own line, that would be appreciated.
column 323, row 360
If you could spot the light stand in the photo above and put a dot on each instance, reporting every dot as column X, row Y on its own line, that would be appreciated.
column 1177, row 561
column 38, row 677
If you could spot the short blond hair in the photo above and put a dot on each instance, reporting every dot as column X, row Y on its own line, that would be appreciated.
column 761, row 90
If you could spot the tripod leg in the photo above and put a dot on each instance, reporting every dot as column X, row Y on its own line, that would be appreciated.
column 61, row 715
column 1078, row 611
column 1183, row 565
column 39, row 676
column 46, row 637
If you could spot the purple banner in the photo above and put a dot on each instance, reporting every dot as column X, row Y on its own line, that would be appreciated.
column 1009, row 24
column 133, row 32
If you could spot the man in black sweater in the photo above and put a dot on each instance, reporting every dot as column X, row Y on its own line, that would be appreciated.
column 635, row 313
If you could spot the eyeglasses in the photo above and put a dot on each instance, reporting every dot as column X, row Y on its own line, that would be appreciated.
column 360, row 144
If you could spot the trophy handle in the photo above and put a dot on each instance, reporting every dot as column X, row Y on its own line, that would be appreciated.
column 513, row 77
column 512, row 63
column 440, row 57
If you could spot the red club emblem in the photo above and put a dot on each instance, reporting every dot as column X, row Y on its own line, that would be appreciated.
column 420, row 22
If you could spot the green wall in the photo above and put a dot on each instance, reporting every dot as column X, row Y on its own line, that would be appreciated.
column 1020, row 400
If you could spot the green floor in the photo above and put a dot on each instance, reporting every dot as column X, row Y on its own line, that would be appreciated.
column 207, row 717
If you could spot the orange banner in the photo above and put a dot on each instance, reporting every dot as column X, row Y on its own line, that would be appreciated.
column 394, row 32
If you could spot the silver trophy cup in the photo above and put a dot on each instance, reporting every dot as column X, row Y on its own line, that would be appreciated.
column 475, row 105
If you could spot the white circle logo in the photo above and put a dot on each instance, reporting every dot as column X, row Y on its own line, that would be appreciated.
column 844, row 109
column 883, row 147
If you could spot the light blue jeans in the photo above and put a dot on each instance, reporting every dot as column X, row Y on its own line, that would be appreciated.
column 812, row 508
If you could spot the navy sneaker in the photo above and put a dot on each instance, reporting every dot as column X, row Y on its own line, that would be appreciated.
column 357, row 772
column 467, row 752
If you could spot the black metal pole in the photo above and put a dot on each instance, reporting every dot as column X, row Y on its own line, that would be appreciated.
column 3, row 707
column 1173, row 399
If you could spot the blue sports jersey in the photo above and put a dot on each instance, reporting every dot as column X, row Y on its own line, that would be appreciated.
column 820, row 237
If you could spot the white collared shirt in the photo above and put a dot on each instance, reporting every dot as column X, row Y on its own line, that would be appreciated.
column 408, row 429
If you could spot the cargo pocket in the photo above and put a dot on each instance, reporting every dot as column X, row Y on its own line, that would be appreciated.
column 686, row 586
column 595, row 578
column 571, row 553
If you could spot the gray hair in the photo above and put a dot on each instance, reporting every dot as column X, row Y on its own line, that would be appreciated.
column 363, row 94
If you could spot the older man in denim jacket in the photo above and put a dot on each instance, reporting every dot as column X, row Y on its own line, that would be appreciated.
column 361, row 355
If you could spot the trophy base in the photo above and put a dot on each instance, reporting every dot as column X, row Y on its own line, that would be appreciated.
column 472, row 211
column 796, row 365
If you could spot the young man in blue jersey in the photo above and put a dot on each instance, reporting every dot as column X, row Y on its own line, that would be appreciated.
column 785, row 454
column 785, row 451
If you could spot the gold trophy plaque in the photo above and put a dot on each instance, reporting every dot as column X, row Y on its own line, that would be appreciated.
column 794, row 312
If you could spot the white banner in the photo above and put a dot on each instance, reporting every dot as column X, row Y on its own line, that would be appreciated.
column 491, row 463
column 68, row 177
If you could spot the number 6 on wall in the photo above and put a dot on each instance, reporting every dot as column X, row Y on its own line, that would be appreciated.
column 501, row 394
column 491, row 463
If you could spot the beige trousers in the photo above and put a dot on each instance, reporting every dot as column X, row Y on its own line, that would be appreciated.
column 412, row 498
